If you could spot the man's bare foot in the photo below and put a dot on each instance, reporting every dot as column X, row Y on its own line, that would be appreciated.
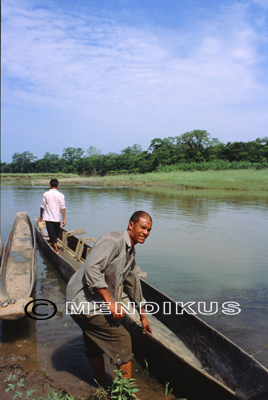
column 56, row 250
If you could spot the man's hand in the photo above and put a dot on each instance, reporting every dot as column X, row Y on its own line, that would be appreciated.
column 145, row 323
column 63, row 216
column 116, row 310
column 41, row 214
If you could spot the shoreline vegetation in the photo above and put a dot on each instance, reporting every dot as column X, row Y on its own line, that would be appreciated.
column 250, row 180
column 195, row 150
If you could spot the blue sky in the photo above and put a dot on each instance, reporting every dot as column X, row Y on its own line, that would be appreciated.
column 112, row 73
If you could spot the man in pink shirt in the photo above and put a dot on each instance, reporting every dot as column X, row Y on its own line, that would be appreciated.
column 53, row 204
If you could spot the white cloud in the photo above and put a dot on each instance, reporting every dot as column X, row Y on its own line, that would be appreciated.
column 148, row 81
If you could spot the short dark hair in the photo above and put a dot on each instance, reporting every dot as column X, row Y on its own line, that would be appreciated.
column 139, row 214
column 54, row 182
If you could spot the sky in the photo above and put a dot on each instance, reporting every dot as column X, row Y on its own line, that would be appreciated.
column 113, row 73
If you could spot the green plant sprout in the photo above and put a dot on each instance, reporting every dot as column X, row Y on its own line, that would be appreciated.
column 123, row 388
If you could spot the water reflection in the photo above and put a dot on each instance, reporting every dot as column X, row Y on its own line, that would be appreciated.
column 19, row 339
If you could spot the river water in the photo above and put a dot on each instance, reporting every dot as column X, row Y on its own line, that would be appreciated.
column 204, row 247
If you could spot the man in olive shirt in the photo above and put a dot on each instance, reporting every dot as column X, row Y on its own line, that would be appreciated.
column 110, row 264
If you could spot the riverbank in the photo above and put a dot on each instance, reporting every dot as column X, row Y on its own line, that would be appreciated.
column 16, row 380
column 241, row 180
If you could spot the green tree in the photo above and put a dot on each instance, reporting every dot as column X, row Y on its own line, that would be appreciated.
column 91, row 164
column 6, row 167
column 51, row 157
column 128, row 158
column 109, row 162
column 144, row 162
column 136, row 149
column 24, row 162
column 263, row 152
column 93, row 151
column 70, row 154
column 50, row 163
column 162, row 152
column 254, row 151
column 194, row 145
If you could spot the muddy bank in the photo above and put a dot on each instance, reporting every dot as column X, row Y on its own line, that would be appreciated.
column 61, row 366
column 43, row 180
column 36, row 382
column 12, row 371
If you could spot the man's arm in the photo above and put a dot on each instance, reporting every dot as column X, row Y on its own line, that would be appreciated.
column 132, row 286
column 144, row 322
column 116, row 311
column 63, row 216
column 101, row 255
column 62, row 206
column 42, row 207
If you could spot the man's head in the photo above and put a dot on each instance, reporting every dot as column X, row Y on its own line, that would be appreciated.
column 54, row 183
column 139, row 227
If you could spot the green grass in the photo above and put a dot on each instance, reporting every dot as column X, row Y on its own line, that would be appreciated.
column 121, row 388
column 250, row 180
column 16, row 387
column 247, row 180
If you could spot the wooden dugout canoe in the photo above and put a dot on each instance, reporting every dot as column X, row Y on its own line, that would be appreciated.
column 196, row 360
column 1, row 248
column 18, row 268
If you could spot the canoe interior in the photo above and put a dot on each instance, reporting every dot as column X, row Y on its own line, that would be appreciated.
column 218, row 356
column 72, row 243
column 65, row 263
column 19, row 267
column 182, row 347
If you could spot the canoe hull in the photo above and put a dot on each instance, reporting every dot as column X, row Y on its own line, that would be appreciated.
column 18, row 268
column 1, row 247
column 181, row 375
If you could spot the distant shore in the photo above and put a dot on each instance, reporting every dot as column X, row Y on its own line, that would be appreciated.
column 235, row 180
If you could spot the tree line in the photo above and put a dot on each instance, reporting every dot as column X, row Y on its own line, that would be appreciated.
column 189, row 151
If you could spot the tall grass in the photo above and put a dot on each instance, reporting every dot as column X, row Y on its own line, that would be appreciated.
column 249, row 180
column 212, row 165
